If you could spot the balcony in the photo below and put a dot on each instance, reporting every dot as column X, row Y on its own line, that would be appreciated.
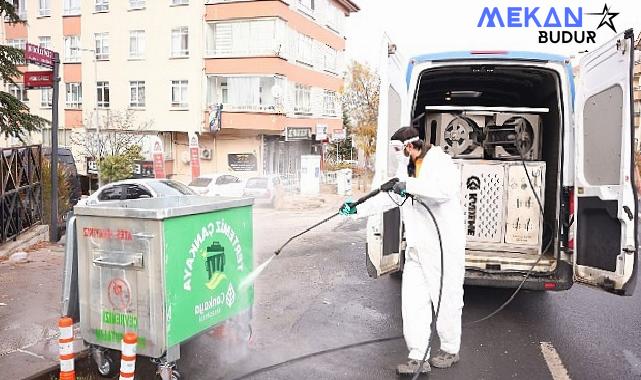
column 245, row 38
column 246, row 93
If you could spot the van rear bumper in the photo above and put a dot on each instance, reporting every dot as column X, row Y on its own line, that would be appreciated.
column 561, row 278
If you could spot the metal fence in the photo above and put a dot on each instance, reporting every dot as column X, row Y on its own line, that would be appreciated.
column 20, row 190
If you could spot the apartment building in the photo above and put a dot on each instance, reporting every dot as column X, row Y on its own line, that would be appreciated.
column 258, row 81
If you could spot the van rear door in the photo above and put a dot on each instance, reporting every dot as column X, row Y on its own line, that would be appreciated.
column 384, row 230
column 605, row 198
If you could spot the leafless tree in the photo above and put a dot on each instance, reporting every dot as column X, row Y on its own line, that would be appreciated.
column 119, row 130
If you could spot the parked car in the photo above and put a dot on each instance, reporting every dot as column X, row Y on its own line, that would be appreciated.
column 222, row 185
column 266, row 189
column 137, row 189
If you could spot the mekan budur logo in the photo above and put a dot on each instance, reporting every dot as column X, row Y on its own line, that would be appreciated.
column 565, row 24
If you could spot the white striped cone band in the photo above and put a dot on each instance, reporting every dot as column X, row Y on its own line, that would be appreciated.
column 66, row 333
column 65, row 348
column 128, row 349
column 66, row 363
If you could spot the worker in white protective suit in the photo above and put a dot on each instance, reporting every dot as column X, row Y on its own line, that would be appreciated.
column 432, row 177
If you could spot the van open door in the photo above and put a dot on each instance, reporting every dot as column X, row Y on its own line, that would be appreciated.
column 606, row 206
column 384, row 230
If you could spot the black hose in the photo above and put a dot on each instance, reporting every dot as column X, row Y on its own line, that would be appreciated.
column 314, row 354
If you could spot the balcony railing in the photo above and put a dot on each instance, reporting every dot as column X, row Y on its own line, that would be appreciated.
column 274, row 108
column 268, row 51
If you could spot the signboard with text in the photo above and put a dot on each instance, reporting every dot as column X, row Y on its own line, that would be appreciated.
column 245, row 162
column 298, row 133
column 38, row 79
column 159, row 159
column 38, row 55
column 194, row 156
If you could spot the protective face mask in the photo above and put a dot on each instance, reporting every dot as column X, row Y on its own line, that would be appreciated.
column 401, row 159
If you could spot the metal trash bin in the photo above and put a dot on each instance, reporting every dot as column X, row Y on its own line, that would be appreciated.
column 344, row 182
column 165, row 268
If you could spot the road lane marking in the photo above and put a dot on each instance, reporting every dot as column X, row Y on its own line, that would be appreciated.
column 634, row 361
column 553, row 360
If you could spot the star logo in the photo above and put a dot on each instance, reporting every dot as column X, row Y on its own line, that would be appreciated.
column 607, row 17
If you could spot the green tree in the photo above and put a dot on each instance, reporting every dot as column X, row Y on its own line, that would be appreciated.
column 64, row 191
column 118, row 167
column 15, row 119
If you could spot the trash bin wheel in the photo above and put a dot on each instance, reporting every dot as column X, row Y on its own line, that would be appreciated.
column 105, row 362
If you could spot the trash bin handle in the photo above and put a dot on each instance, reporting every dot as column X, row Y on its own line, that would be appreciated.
column 135, row 262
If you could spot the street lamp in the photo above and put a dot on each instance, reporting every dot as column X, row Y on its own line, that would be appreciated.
column 95, row 109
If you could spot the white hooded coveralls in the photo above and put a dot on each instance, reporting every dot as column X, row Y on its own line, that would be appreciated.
column 438, row 185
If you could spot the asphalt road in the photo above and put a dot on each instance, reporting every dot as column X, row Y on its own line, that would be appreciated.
column 317, row 296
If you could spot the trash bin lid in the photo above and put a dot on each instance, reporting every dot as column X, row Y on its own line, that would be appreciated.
column 163, row 207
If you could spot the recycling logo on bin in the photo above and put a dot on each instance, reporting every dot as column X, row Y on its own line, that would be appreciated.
column 211, row 254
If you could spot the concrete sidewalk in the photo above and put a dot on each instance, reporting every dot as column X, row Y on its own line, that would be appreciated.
column 29, row 312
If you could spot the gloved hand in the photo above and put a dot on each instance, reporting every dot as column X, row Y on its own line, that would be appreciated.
column 389, row 185
column 348, row 208
column 400, row 188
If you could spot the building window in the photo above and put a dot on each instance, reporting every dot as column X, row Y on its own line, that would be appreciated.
column 179, row 94
column 305, row 49
column 254, row 37
column 73, row 95
column 72, row 49
column 302, row 101
column 102, row 5
column 46, row 96
column 44, row 8
column 102, row 46
column 180, row 42
column 137, row 94
column 329, row 103
column 329, row 59
column 19, row 92
column 44, row 42
column 246, row 94
column 18, row 44
column 306, row 5
column 71, row 7
column 103, row 94
column 179, row 2
column 136, row 44
column 20, row 7
column 136, row 4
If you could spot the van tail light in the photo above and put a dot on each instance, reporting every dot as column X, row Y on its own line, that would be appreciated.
column 549, row 285
column 572, row 221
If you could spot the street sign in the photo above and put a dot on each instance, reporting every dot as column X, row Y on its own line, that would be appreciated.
column 339, row 134
column 38, row 79
column 38, row 55
column 321, row 132
column 194, row 155
column 159, row 159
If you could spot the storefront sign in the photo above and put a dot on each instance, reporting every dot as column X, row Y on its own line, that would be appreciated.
column 194, row 155
column 321, row 132
column 297, row 133
column 92, row 166
column 143, row 169
column 38, row 79
column 159, row 159
column 339, row 134
column 245, row 162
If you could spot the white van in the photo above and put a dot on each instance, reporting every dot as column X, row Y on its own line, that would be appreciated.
column 498, row 113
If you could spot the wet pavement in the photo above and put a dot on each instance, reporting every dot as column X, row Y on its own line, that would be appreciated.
column 317, row 297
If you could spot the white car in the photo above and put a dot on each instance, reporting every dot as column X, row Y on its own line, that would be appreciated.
column 221, row 185
column 136, row 189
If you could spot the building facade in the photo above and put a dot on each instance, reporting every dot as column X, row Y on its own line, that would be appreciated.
column 637, row 90
column 257, row 81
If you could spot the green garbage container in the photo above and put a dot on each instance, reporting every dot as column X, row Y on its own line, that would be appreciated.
column 166, row 268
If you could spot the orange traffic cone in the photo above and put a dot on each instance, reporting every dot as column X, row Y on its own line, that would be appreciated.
column 128, row 358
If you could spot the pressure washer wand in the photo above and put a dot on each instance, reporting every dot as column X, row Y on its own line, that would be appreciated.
column 385, row 187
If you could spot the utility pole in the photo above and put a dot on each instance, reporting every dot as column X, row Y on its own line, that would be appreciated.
column 53, row 224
